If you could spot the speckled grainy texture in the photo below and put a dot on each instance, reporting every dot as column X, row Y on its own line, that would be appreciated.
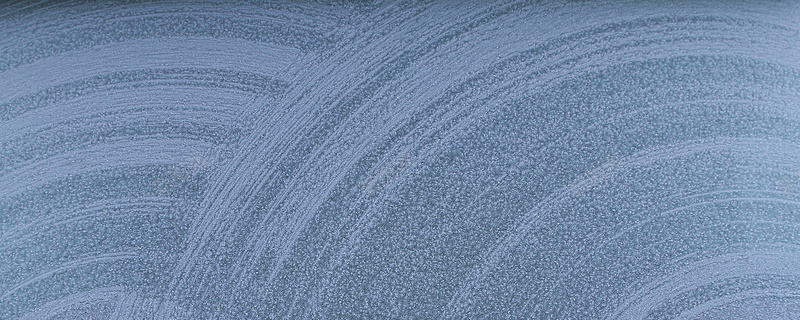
column 415, row 160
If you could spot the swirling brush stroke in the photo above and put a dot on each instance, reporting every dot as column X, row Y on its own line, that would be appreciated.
column 508, row 159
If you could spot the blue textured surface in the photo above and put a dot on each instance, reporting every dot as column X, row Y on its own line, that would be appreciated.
column 566, row 160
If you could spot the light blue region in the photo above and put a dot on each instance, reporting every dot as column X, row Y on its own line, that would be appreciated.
column 399, row 160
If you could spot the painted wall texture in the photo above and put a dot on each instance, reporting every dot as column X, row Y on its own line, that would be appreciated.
column 400, row 160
